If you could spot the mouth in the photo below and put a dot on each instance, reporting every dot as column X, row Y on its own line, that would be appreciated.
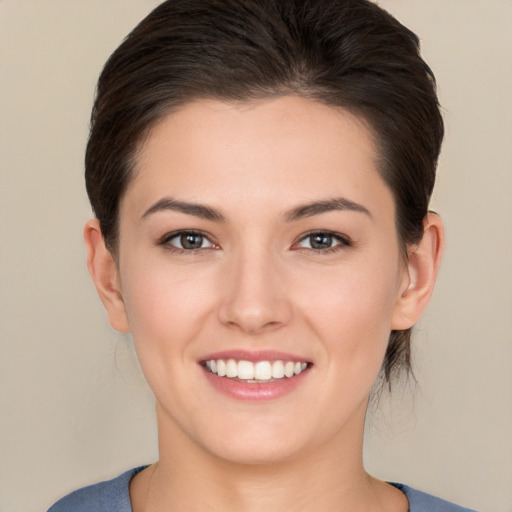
column 253, row 376
column 255, row 372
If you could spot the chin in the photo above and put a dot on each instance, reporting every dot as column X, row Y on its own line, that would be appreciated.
column 260, row 446
column 256, row 455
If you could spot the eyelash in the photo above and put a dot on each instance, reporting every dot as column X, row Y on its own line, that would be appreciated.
column 342, row 242
column 165, row 241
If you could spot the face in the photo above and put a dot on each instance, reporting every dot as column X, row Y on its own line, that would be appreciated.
column 259, row 240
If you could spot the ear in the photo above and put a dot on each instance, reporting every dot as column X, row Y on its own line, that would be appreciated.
column 421, row 271
column 105, row 274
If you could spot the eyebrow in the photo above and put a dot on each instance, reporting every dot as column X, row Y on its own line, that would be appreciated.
column 317, row 207
column 198, row 210
column 299, row 212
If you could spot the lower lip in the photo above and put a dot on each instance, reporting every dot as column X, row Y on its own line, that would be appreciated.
column 255, row 392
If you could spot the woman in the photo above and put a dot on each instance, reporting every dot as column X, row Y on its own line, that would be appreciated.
column 260, row 173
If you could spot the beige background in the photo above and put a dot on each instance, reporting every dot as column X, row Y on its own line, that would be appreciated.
column 73, row 406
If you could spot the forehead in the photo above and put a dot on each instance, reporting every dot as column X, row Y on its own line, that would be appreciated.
column 288, row 147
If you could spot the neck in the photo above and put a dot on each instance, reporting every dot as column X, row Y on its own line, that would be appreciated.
column 329, row 477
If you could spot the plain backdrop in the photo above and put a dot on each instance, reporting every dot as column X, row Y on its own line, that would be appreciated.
column 74, row 408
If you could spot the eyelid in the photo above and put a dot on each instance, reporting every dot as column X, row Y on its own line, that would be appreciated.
column 343, row 241
column 165, row 240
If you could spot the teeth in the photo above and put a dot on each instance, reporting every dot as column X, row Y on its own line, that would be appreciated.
column 263, row 370
column 245, row 370
column 289, row 369
column 277, row 370
column 221, row 368
column 260, row 371
column 231, row 368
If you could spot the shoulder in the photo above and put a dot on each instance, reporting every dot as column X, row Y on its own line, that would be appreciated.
column 422, row 502
column 109, row 496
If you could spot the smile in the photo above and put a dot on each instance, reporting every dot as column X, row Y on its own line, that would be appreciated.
column 255, row 372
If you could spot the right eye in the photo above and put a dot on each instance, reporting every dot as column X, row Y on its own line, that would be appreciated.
column 187, row 241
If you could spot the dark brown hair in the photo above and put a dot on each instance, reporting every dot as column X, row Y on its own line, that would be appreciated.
column 347, row 53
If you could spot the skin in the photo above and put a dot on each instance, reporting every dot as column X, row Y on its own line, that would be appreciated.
column 257, row 283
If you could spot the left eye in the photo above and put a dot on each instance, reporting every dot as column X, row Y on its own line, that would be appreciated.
column 188, row 240
column 322, row 241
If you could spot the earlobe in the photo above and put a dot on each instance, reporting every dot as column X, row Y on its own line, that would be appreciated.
column 423, row 264
column 104, row 272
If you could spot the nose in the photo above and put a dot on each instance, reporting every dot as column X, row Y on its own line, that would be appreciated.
column 254, row 297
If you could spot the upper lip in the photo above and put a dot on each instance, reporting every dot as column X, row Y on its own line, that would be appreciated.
column 254, row 356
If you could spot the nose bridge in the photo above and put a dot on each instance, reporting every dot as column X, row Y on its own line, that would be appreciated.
column 255, row 299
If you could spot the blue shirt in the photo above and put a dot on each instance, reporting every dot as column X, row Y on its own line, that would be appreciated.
column 113, row 496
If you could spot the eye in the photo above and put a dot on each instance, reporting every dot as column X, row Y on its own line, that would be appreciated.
column 323, row 241
column 187, row 241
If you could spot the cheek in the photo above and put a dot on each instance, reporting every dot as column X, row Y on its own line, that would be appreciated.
column 352, row 310
column 354, row 295
column 166, row 309
column 165, row 305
